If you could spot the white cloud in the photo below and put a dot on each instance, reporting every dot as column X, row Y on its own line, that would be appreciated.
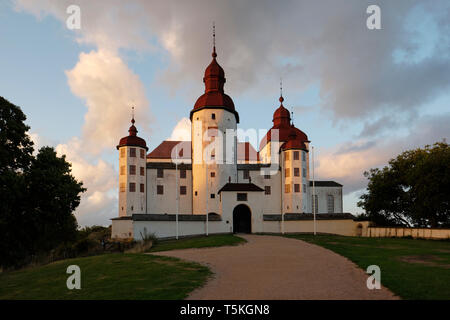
column 346, row 163
column 182, row 131
column 109, row 88
column 98, row 202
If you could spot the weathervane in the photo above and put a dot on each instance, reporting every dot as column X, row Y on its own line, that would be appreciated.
column 281, row 87
column 214, row 54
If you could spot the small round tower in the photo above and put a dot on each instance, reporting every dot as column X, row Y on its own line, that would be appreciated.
column 132, row 173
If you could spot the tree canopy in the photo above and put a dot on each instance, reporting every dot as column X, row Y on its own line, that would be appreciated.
column 413, row 190
column 38, row 194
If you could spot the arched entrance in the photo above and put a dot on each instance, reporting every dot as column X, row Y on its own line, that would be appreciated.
column 242, row 219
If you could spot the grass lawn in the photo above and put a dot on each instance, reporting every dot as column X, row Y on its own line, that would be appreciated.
column 198, row 242
column 108, row 276
column 412, row 269
column 117, row 276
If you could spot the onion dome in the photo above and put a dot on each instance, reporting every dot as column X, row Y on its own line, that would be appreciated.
column 132, row 140
column 214, row 96
column 281, row 116
column 293, row 142
column 282, row 122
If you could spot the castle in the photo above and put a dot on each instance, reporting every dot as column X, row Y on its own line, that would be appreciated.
column 216, row 184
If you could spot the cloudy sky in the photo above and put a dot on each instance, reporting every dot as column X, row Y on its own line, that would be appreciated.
column 362, row 96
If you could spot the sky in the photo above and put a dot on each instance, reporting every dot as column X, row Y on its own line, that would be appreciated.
column 362, row 96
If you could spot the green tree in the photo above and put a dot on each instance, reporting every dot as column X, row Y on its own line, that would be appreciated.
column 16, row 150
column 16, row 147
column 413, row 190
column 37, row 194
column 53, row 195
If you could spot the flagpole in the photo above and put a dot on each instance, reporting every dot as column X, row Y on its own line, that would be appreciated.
column 176, row 188
column 314, row 193
column 207, row 195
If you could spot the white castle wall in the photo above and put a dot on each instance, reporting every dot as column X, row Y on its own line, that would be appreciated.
column 166, row 203
column 322, row 197
column 201, row 198
column 270, row 203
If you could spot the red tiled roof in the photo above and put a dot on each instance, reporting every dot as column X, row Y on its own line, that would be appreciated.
column 164, row 151
column 214, row 95
column 132, row 139
column 245, row 151
column 281, row 122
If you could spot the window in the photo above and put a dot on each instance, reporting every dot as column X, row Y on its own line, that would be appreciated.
column 296, row 187
column 296, row 155
column 241, row 197
column 142, row 188
column 122, row 187
column 287, row 172
column 122, row 153
column 304, row 156
column 304, row 172
column 315, row 204
column 213, row 174
column 267, row 176
column 296, row 172
column 122, row 170
column 246, row 174
column 287, row 188
column 286, row 155
column 330, row 203
column 159, row 173
column 132, row 169
column 132, row 187
column 304, row 188
column 267, row 190
column 213, row 116
column 159, row 189
column 212, row 195
column 183, row 174
column 133, row 152
column 195, row 192
column 183, row 190
column 142, row 171
column 142, row 153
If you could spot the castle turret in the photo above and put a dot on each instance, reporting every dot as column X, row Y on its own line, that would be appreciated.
column 132, row 173
column 295, row 174
column 214, row 155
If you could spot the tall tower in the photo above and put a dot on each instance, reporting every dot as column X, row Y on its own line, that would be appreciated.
column 132, row 173
column 214, row 155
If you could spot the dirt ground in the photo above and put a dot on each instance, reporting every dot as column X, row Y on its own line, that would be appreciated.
column 278, row 268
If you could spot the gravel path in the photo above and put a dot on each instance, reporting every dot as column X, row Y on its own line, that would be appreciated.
column 278, row 268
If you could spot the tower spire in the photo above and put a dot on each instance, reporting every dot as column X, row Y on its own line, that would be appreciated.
column 281, row 91
column 214, row 54
column 133, row 131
